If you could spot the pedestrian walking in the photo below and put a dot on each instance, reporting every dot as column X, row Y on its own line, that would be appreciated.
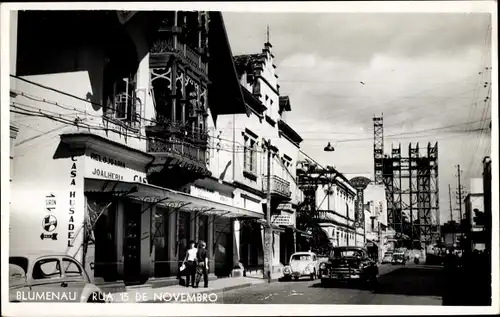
column 202, row 267
column 190, row 264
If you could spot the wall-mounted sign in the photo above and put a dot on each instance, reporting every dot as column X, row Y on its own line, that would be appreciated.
column 111, row 168
column 210, row 195
column 282, row 220
column 286, row 207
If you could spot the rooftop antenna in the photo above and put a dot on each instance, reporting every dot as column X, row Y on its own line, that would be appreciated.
column 267, row 33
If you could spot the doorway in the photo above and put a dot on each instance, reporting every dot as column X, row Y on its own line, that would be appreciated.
column 132, row 245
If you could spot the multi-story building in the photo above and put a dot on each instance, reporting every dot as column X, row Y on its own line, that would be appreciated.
column 111, row 161
column 329, row 201
column 241, row 143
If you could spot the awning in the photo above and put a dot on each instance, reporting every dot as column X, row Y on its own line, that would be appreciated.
column 166, row 197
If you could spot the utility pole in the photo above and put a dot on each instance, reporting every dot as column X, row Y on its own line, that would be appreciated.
column 268, row 230
column 451, row 213
column 460, row 193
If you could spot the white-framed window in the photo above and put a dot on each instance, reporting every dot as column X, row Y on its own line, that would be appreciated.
column 250, row 155
column 121, row 101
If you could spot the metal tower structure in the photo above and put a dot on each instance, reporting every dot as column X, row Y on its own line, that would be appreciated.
column 412, row 190
column 378, row 149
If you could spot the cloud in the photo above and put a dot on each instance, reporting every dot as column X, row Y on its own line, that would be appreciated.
column 358, row 36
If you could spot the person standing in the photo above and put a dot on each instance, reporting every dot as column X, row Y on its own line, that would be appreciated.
column 202, row 259
column 190, row 263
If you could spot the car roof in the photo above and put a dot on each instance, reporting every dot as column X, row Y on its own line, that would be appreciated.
column 349, row 248
column 33, row 255
column 304, row 253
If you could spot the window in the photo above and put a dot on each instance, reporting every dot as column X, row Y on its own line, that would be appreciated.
column 373, row 224
column 71, row 269
column 121, row 102
column 301, row 257
column 250, row 155
column 46, row 269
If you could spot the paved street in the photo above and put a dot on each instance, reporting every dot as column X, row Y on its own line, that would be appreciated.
column 409, row 285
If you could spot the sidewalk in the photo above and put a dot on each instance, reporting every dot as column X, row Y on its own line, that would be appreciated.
column 148, row 294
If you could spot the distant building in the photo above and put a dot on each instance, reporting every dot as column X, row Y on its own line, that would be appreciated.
column 474, row 227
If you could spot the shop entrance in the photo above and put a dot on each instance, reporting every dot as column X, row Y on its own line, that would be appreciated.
column 132, row 247
column 223, row 247
column 104, row 262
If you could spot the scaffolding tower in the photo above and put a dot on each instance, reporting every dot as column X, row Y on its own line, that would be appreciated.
column 412, row 190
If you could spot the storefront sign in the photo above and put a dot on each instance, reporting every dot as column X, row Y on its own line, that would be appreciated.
column 282, row 220
column 287, row 207
column 72, row 196
column 111, row 168
column 209, row 195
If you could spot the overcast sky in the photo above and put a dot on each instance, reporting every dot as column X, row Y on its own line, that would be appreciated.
column 422, row 71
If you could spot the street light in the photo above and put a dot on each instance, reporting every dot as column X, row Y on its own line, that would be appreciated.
column 329, row 148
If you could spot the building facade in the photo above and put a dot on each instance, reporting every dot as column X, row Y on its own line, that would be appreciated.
column 111, row 143
column 329, row 202
column 241, row 142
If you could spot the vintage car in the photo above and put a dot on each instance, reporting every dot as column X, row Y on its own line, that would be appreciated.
column 398, row 258
column 387, row 258
column 50, row 277
column 302, row 264
column 349, row 264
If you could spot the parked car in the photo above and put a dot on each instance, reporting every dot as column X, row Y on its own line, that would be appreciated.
column 302, row 264
column 50, row 277
column 398, row 258
column 349, row 264
column 387, row 259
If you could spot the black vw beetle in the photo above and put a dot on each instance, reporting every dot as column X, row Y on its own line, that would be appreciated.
column 349, row 264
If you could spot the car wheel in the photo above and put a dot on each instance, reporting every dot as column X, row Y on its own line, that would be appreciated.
column 296, row 278
column 313, row 275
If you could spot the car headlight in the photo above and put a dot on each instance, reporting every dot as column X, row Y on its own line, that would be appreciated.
column 322, row 266
column 286, row 269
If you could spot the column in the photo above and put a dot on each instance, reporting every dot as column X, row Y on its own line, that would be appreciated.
column 192, row 226
column 210, row 243
column 119, row 237
column 276, row 245
column 236, row 241
column 196, row 226
column 146, row 241
column 172, row 241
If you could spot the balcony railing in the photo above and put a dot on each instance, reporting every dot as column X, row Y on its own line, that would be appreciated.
column 179, row 147
column 171, row 45
column 178, row 139
column 279, row 186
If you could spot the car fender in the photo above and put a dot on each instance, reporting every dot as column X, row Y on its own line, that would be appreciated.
column 88, row 290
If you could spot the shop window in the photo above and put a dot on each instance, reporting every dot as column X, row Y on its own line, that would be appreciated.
column 184, row 233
